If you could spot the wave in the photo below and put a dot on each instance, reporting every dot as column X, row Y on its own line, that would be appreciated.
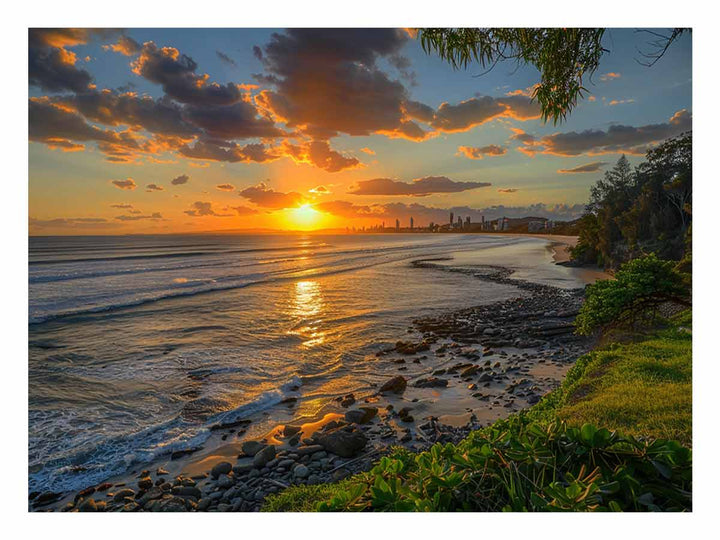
column 78, row 469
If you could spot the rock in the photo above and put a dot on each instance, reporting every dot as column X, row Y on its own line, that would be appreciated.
column 153, row 493
column 361, row 416
column 88, row 505
column 161, row 472
column 250, row 448
column 485, row 377
column 342, row 442
column 84, row 493
column 264, row 456
column 290, row 431
column 396, row 385
column 348, row 400
column 224, row 481
column 104, row 486
column 145, row 483
column 468, row 372
column 123, row 493
column 242, row 468
column 46, row 497
column 431, row 382
column 307, row 450
column 223, row 467
column 301, row 471
column 171, row 504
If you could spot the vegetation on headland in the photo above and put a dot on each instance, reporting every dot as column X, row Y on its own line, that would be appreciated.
column 635, row 212
column 606, row 439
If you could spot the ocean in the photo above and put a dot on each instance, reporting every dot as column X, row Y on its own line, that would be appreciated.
column 138, row 344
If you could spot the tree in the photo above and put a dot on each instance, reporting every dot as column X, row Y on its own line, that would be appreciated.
column 564, row 56
column 639, row 288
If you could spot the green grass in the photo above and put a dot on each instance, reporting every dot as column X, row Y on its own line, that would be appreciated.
column 641, row 388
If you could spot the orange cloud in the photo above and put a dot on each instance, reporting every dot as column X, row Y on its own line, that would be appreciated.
column 473, row 152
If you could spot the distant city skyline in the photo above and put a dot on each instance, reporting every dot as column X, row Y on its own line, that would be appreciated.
column 168, row 130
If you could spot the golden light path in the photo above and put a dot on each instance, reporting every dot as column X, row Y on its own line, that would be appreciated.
column 307, row 304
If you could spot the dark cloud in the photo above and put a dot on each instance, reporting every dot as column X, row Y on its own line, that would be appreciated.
column 128, row 184
column 328, row 79
column 419, row 187
column 225, row 58
column 266, row 197
column 507, row 190
column 244, row 210
column 201, row 209
column 125, row 45
column 320, row 154
column 122, row 206
column 230, row 152
column 475, row 152
column 180, row 180
column 476, row 111
column 70, row 223
column 319, row 190
column 160, row 116
column 153, row 187
column 175, row 72
column 237, row 121
column 153, row 216
column 617, row 139
column 225, row 187
column 595, row 166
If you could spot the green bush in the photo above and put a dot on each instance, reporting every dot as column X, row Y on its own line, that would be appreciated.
column 521, row 465
column 639, row 287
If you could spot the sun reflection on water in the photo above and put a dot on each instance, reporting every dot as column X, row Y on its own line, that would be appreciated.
column 307, row 303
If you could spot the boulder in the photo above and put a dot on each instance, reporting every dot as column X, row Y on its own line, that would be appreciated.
column 264, row 456
column 396, row 385
column 301, row 471
column 343, row 442
column 361, row 416
column 223, row 467
column 250, row 448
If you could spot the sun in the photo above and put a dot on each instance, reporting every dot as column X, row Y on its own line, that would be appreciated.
column 305, row 217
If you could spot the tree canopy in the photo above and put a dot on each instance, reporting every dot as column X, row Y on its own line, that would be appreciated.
column 565, row 57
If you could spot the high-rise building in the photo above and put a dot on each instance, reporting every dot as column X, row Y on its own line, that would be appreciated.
column 452, row 218
column 467, row 222
column 412, row 223
column 397, row 224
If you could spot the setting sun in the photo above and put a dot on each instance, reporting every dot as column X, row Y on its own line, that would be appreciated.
column 305, row 217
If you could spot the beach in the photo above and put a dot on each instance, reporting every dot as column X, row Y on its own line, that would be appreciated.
column 438, row 374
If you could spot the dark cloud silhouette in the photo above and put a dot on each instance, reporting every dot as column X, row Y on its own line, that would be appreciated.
column 153, row 187
column 595, row 166
column 476, row 111
column 239, row 120
column 225, row 58
column 175, row 72
column 320, row 154
column 244, row 210
column 328, row 79
column 128, row 184
column 225, row 187
column 202, row 209
column 180, row 180
column 70, row 223
column 122, row 206
column 475, row 152
column 266, row 197
column 507, row 190
column 615, row 140
column 125, row 45
column 230, row 152
column 419, row 187
column 153, row 216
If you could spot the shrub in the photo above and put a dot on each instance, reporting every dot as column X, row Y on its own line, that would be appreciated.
column 639, row 287
column 520, row 465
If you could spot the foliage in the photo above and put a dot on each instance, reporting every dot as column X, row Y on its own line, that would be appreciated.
column 631, row 212
column 563, row 56
column 639, row 287
column 528, row 467
column 550, row 457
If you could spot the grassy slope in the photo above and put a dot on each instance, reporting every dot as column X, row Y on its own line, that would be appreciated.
column 642, row 388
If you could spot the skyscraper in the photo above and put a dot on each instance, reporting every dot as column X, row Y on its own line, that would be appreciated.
column 397, row 224
column 412, row 223
column 452, row 218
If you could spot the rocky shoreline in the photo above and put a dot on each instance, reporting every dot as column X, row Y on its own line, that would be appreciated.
column 490, row 361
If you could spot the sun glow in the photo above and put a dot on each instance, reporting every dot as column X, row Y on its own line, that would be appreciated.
column 305, row 217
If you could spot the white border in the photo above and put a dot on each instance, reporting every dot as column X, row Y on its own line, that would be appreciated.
column 278, row 14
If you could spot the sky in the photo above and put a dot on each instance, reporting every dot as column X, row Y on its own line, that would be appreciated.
column 188, row 130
